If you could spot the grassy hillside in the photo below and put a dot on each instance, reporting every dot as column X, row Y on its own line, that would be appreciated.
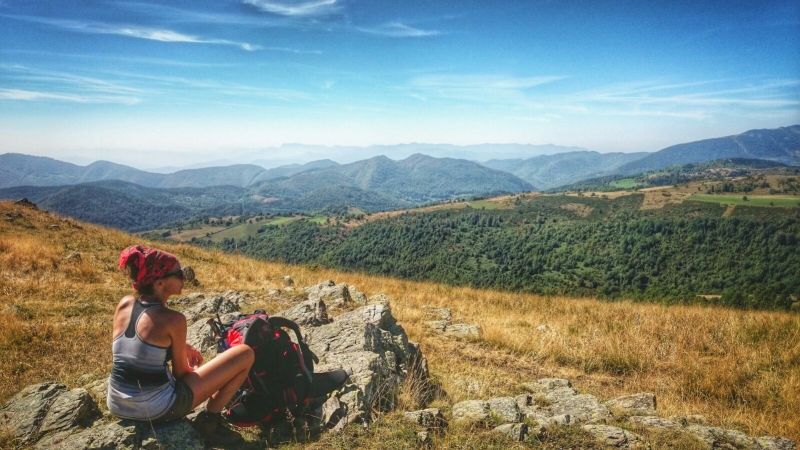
column 739, row 368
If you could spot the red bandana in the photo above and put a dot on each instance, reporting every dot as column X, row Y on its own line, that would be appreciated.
column 151, row 264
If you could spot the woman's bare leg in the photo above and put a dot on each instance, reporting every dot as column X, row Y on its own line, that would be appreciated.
column 221, row 377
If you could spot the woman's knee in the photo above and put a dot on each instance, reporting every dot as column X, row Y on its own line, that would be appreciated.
column 243, row 355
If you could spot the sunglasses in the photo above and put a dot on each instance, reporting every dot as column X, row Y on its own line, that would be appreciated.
column 178, row 273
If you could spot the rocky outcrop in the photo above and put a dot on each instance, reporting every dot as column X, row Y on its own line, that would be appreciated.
column 553, row 402
column 308, row 313
column 46, row 408
column 643, row 403
column 554, row 397
column 367, row 341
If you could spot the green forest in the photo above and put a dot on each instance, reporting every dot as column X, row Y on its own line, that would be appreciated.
column 604, row 248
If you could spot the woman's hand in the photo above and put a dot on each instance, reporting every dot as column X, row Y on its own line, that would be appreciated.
column 193, row 357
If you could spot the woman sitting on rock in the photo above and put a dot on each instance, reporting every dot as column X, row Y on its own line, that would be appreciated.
column 147, row 334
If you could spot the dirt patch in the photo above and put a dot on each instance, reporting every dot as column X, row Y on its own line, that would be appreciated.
column 578, row 208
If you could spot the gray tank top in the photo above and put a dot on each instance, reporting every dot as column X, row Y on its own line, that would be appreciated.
column 141, row 386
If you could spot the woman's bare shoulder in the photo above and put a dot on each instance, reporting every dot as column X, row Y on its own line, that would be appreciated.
column 125, row 302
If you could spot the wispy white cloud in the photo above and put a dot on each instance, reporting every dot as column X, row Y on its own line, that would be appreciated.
column 133, row 31
column 296, row 8
column 761, row 94
column 478, row 88
column 24, row 83
column 398, row 30
column 33, row 96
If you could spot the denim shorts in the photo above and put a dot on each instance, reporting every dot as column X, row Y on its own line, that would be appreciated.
column 184, row 397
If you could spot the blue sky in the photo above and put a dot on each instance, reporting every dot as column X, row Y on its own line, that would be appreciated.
column 99, row 79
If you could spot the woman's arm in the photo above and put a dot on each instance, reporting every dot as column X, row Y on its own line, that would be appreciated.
column 180, row 362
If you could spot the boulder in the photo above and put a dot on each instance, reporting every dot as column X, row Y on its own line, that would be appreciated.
column 775, row 443
column 70, row 409
column 358, row 297
column 555, row 397
column 202, row 306
column 199, row 336
column 473, row 411
column 331, row 293
column 308, row 313
column 516, row 431
column 613, row 436
column 716, row 437
column 640, row 404
column 440, row 320
column 463, row 330
column 432, row 419
column 504, row 409
column 24, row 413
column 369, row 342
column 654, row 422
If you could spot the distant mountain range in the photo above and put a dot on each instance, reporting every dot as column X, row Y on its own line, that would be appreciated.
column 780, row 145
column 549, row 171
column 114, row 194
column 374, row 184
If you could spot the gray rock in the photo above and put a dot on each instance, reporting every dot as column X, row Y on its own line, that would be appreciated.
column 208, row 305
column 106, row 436
column 641, row 404
column 654, row 422
column 776, row 443
column 516, row 431
column 370, row 343
column 435, row 313
column 74, row 408
column 177, row 435
column 555, row 397
column 686, row 420
column 504, row 409
column 432, row 419
column 424, row 439
column 99, row 390
column 717, row 437
column 199, row 336
column 309, row 313
column 546, row 384
column 476, row 411
column 463, row 330
column 333, row 411
column 23, row 413
column 613, row 436
column 331, row 293
column 359, row 298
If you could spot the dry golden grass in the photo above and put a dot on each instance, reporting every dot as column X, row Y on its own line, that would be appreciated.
column 739, row 368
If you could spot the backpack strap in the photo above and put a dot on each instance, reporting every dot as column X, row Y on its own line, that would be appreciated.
column 278, row 322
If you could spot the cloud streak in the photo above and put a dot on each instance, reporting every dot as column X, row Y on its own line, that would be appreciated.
column 296, row 9
column 398, row 30
column 33, row 96
column 133, row 31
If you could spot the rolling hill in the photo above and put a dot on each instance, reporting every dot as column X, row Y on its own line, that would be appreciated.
column 550, row 171
column 780, row 145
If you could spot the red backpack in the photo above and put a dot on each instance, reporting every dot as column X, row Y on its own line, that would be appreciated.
column 282, row 379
